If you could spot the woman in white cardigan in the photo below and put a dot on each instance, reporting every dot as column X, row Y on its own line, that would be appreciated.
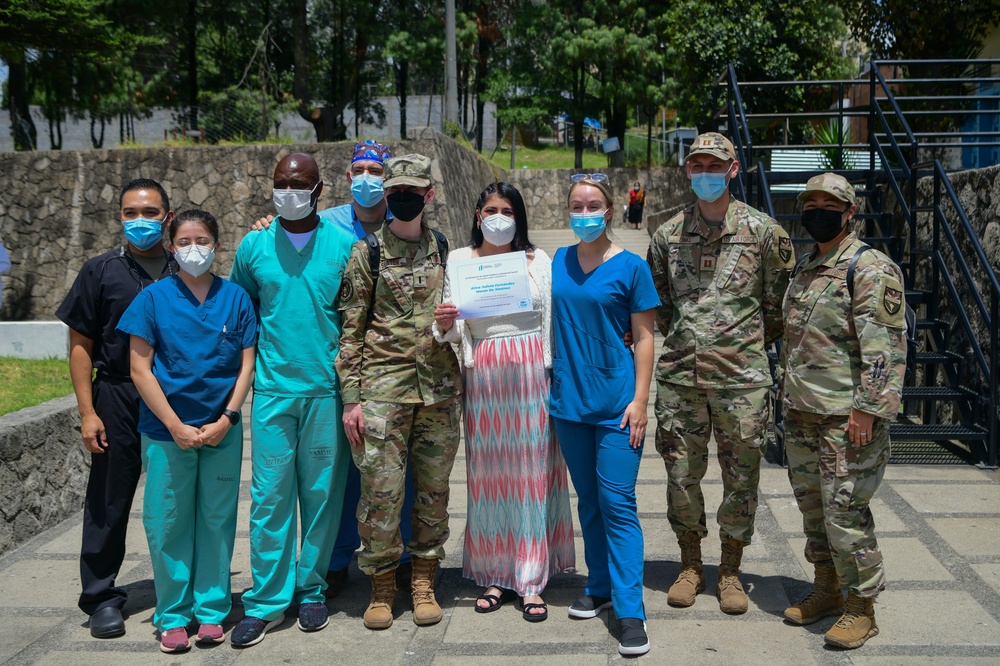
column 519, row 528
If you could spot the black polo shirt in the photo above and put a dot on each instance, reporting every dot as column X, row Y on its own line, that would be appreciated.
column 101, row 293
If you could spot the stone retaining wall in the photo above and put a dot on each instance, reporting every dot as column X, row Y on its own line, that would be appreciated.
column 58, row 208
column 43, row 470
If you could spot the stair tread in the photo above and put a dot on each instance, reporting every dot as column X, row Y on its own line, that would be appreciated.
column 936, row 432
column 935, row 392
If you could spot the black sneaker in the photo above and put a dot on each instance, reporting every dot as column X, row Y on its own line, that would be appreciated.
column 251, row 630
column 634, row 641
column 587, row 607
column 313, row 617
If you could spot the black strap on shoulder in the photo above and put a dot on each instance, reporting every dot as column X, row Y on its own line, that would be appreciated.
column 852, row 267
column 798, row 265
column 375, row 260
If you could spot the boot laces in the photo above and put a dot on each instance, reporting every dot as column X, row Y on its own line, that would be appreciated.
column 855, row 609
column 729, row 579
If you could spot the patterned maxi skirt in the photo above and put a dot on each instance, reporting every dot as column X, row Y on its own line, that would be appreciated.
column 520, row 529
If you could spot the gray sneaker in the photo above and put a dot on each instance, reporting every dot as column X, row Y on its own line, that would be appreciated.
column 587, row 607
column 251, row 630
column 634, row 640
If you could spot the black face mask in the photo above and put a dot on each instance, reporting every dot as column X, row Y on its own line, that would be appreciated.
column 822, row 224
column 405, row 205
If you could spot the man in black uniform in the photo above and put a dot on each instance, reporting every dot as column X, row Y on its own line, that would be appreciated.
column 109, row 403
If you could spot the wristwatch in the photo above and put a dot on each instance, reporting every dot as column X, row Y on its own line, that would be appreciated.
column 234, row 417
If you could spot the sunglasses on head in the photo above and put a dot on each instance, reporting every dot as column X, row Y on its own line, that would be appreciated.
column 596, row 177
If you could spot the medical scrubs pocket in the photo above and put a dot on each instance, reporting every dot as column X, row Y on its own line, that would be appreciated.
column 596, row 394
column 189, row 512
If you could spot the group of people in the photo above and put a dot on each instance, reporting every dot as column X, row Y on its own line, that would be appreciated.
column 344, row 323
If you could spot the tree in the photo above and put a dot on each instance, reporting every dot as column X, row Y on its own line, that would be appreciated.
column 927, row 29
column 77, row 27
column 766, row 40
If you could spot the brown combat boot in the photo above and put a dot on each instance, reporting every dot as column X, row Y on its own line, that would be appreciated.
column 425, row 606
column 856, row 625
column 691, row 580
column 378, row 615
column 824, row 599
column 732, row 598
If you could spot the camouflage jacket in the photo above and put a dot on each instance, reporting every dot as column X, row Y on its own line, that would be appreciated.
column 393, row 357
column 721, row 292
column 838, row 353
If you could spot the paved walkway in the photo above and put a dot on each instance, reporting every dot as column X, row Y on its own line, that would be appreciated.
column 939, row 528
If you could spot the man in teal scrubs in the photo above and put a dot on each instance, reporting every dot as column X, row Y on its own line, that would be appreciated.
column 293, row 271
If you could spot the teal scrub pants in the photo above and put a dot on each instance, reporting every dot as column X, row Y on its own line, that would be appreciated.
column 299, row 460
column 189, row 512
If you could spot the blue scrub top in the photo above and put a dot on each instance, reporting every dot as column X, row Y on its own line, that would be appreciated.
column 344, row 217
column 593, row 372
column 196, row 347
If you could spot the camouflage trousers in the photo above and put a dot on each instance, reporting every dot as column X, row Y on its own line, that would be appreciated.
column 394, row 432
column 834, row 481
column 686, row 417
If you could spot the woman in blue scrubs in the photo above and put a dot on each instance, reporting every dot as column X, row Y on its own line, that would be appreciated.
column 599, row 393
column 192, row 338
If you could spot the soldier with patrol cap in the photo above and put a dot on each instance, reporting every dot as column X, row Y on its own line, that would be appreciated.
column 401, row 391
column 721, row 268
column 843, row 358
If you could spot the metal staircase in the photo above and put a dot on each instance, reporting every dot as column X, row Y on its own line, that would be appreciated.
column 909, row 209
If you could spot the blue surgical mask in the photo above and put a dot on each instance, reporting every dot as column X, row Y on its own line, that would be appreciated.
column 709, row 186
column 143, row 233
column 367, row 189
column 587, row 226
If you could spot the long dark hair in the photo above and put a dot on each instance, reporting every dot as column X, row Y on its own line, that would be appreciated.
column 510, row 193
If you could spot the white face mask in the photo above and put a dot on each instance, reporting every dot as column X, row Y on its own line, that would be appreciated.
column 293, row 204
column 498, row 229
column 194, row 260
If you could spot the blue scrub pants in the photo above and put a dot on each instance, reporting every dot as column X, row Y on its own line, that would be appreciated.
column 604, row 469
column 348, row 538
column 189, row 512
column 299, row 462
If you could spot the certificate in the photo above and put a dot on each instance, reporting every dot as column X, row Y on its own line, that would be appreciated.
column 488, row 286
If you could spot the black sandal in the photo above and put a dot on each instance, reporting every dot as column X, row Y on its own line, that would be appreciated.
column 494, row 601
column 535, row 617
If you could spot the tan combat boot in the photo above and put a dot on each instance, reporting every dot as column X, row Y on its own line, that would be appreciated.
column 378, row 615
column 732, row 598
column 856, row 625
column 691, row 580
column 425, row 606
column 824, row 599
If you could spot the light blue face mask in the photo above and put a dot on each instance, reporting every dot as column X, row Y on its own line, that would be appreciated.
column 143, row 233
column 587, row 226
column 709, row 186
column 367, row 189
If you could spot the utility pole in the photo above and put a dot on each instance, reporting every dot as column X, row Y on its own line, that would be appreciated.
column 451, row 64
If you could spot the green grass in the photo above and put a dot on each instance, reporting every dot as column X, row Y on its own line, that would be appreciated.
column 546, row 156
column 29, row 383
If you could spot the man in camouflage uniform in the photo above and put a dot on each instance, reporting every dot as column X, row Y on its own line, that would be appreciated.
column 843, row 359
column 401, row 391
column 720, row 268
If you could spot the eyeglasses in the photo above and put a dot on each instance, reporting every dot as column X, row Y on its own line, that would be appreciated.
column 596, row 177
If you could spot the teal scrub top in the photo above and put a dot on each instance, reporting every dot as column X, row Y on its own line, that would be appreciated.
column 296, row 294
column 593, row 372
column 196, row 347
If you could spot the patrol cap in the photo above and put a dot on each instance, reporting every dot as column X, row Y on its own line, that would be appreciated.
column 714, row 144
column 830, row 183
column 412, row 169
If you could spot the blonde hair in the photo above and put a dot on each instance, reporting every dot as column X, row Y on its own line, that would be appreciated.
column 602, row 185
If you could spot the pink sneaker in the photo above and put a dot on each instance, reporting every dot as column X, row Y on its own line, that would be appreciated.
column 174, row 640
column 211, row 633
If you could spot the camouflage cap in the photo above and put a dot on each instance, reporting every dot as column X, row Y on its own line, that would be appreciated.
column 412, row 169
column 714, row 144
column 830, row 183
